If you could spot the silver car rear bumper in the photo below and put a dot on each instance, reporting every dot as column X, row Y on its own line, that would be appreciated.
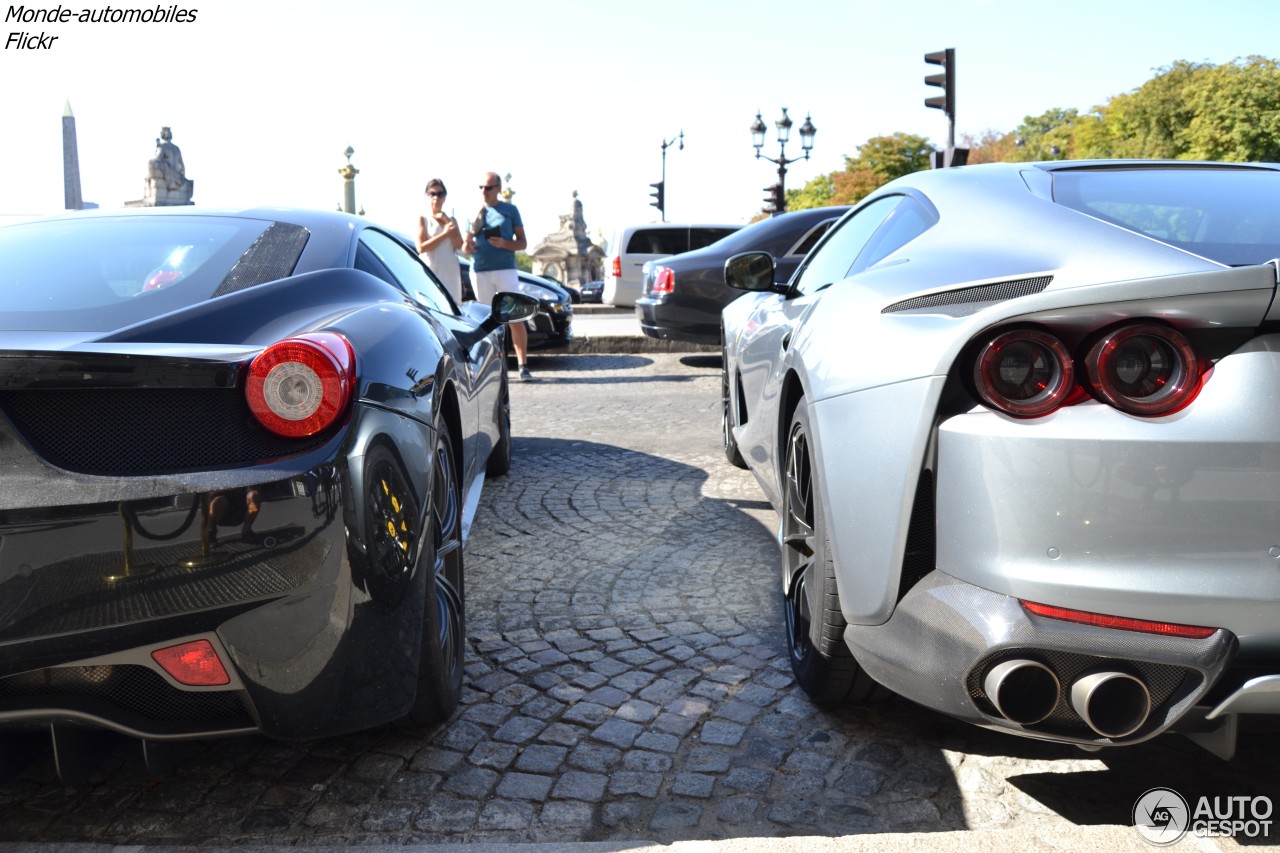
column 947, row 636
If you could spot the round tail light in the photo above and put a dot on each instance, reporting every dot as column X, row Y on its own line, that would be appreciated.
column 1144, row 369
column 1025, row 373
column 299, row 386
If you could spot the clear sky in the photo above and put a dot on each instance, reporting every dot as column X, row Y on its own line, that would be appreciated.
column 263, row 96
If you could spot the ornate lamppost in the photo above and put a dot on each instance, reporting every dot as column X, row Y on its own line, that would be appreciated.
column 778, row 192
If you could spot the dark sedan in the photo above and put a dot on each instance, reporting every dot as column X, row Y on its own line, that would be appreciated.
column 684, row 294
column 239, row 453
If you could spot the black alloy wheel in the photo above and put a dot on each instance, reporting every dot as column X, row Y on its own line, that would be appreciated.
column 727, row 420
column 820, row 659
column 393, row 526
column 443, row 629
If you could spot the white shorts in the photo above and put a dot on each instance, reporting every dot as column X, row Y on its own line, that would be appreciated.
column 490, row 283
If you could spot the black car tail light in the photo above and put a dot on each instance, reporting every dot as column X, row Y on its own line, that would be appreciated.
column 664, row 281
column 299, row 386
column 1026, row 373
column 1144, row 369
column 195, row 663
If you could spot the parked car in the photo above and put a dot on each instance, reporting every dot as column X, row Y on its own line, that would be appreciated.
column 684, row 294
column 239, row 453
column 593, row 292
column 632, row 246
column 552, row 326
column 1018, row 421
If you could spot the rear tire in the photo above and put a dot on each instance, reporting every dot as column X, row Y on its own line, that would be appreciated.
column 820, row 659
column 443, row 625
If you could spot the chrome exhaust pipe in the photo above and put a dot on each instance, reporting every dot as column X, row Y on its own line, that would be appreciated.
column 1113, row 704
column 1023, row 691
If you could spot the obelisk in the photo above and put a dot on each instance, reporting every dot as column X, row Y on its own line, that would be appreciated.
column 70, row 161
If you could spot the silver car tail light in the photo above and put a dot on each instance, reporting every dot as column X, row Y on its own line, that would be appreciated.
column 1144, row 369
column 1026, row 373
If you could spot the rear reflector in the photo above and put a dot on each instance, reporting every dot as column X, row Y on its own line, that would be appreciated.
column 195, row 664
column 1168, row 629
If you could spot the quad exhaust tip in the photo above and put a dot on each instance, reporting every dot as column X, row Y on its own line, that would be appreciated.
column 1113, row 704
column 1023, row 691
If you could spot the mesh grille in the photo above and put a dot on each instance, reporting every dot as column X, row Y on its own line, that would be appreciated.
column 134, row 689
column 967, row 296
column 133, row 431
column 1161, row 680
column 272, row 256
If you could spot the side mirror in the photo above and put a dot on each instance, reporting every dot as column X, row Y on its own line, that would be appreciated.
column 751, row 271
column 510, row 307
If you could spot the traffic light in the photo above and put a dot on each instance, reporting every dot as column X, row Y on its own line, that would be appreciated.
column 773, row 201
column 946, row 80
column 659, row 197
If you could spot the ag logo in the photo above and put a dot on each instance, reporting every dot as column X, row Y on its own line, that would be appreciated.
column 1161, row 816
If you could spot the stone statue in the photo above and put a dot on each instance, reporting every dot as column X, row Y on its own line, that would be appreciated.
column 167, row 182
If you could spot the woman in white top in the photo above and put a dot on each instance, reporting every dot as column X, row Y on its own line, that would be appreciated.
column 439, row 238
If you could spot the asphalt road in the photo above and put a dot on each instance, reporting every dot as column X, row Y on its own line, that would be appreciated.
column 627, row 686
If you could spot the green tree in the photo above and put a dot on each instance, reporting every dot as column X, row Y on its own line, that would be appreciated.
column 1235, row 112
column 816, row 193
column 523, row 262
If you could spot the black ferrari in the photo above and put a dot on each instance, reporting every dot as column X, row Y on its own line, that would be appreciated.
column 239, row 458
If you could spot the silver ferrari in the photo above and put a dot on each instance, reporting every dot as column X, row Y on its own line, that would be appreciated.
column 1021, row 425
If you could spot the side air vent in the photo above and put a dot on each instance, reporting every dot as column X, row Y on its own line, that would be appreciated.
column 953, row 301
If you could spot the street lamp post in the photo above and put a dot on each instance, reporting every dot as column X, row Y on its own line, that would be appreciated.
column 662, row 188
column 807, row 132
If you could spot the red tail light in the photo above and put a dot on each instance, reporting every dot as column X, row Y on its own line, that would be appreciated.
column 1168, row 629
column 1025, row 373
column 1144, row 369
column 300, row 386
column 195, row 663
column 664, row 281
column 617, row 266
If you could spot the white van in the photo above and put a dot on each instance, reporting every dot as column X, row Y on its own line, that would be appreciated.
column 633, row 246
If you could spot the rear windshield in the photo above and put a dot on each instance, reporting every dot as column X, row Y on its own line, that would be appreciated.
column 1231, row 216
column 105, row 273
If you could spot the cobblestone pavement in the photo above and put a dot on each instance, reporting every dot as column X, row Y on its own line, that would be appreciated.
column 627, row 680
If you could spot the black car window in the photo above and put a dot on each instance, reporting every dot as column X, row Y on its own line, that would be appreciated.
column 908, row 221
column 407, row 271
column 806, row 244
column 702, row 237
column 837, row 254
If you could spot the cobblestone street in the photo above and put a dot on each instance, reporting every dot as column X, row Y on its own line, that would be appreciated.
column 627, row 680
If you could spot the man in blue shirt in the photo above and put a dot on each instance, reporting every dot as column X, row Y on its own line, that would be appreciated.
column 495, row 235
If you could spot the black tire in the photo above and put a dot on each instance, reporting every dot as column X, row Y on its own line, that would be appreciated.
column 823, row 665
column 500, row 458
column 443, row 625
column 727, row 419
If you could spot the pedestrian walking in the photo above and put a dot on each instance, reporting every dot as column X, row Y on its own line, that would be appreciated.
column 494, row 236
